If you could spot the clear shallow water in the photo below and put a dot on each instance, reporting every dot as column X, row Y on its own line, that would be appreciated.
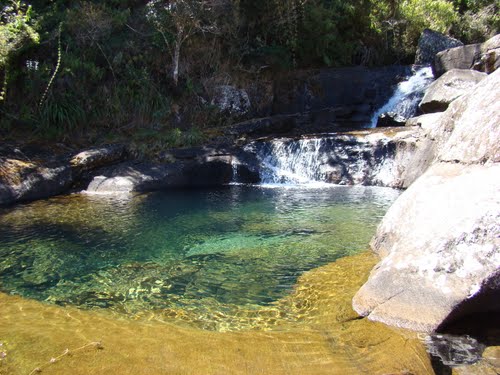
column 216, row 250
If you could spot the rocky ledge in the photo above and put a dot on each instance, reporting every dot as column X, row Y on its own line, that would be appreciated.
column 25, row 177
column 390, row 157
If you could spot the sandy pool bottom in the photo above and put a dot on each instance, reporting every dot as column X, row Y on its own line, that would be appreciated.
column 311, row 331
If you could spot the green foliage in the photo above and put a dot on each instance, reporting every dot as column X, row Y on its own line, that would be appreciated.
column 60, row 115
column 16, row 32
column 331, row 31
column 110, row 70
column 400, row 23
column 15, row 29
column 438, row 15
column 479, row 21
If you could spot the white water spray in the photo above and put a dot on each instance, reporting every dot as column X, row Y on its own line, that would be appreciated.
column 287, row 161
column 309, row 161
column 407, row 96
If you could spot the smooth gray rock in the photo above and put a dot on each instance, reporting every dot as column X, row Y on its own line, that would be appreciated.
column 484, row 57
column 440, row 244
column 23, row 180
column 143, row 177
column 469, row 130
column 430, row 43
column 449, row 87
column 440, row 240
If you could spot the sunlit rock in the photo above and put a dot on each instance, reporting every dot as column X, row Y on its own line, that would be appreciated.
column 449, row 87
column 439, row 241
column 484, row 57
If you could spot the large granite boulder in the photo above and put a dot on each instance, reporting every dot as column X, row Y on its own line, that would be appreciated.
column 143, row 177
column 484, row 57
column 426, row 121
column 430, row 43
column 449, row 87
column 440, row 240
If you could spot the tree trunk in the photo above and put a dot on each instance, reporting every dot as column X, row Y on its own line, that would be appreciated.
column 175, row 67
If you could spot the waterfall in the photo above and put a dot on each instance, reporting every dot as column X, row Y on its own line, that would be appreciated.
column 407, row 96
column 337, row 158
column 289, row 161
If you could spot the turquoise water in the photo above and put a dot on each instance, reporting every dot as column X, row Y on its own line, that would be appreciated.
column 233, row 246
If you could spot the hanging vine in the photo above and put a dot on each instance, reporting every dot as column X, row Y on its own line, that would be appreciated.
column 3, row 92
column 56, row 70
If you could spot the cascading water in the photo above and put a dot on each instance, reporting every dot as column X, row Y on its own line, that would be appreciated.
column 309, row 161
column 288, row 161
column 407, row 96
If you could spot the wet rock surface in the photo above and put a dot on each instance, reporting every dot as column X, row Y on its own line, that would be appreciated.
column 392, row 157
column 181, row 168
column 230, row 99
column 390, row 119
column 336, row 88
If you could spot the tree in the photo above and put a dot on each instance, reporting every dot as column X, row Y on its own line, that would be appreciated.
column 15, row 32
column 179, row 20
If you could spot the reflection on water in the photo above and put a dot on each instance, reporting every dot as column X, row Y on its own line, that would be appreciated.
column 209, row 254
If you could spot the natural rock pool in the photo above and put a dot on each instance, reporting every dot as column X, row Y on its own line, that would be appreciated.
column 207, row 254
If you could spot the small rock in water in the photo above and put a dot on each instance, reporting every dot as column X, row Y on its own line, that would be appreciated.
column 455, row 350
column 390, row 119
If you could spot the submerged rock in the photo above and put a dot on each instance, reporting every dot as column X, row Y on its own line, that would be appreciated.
column 449, row 87
column 454, row 350
column 439, row 241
